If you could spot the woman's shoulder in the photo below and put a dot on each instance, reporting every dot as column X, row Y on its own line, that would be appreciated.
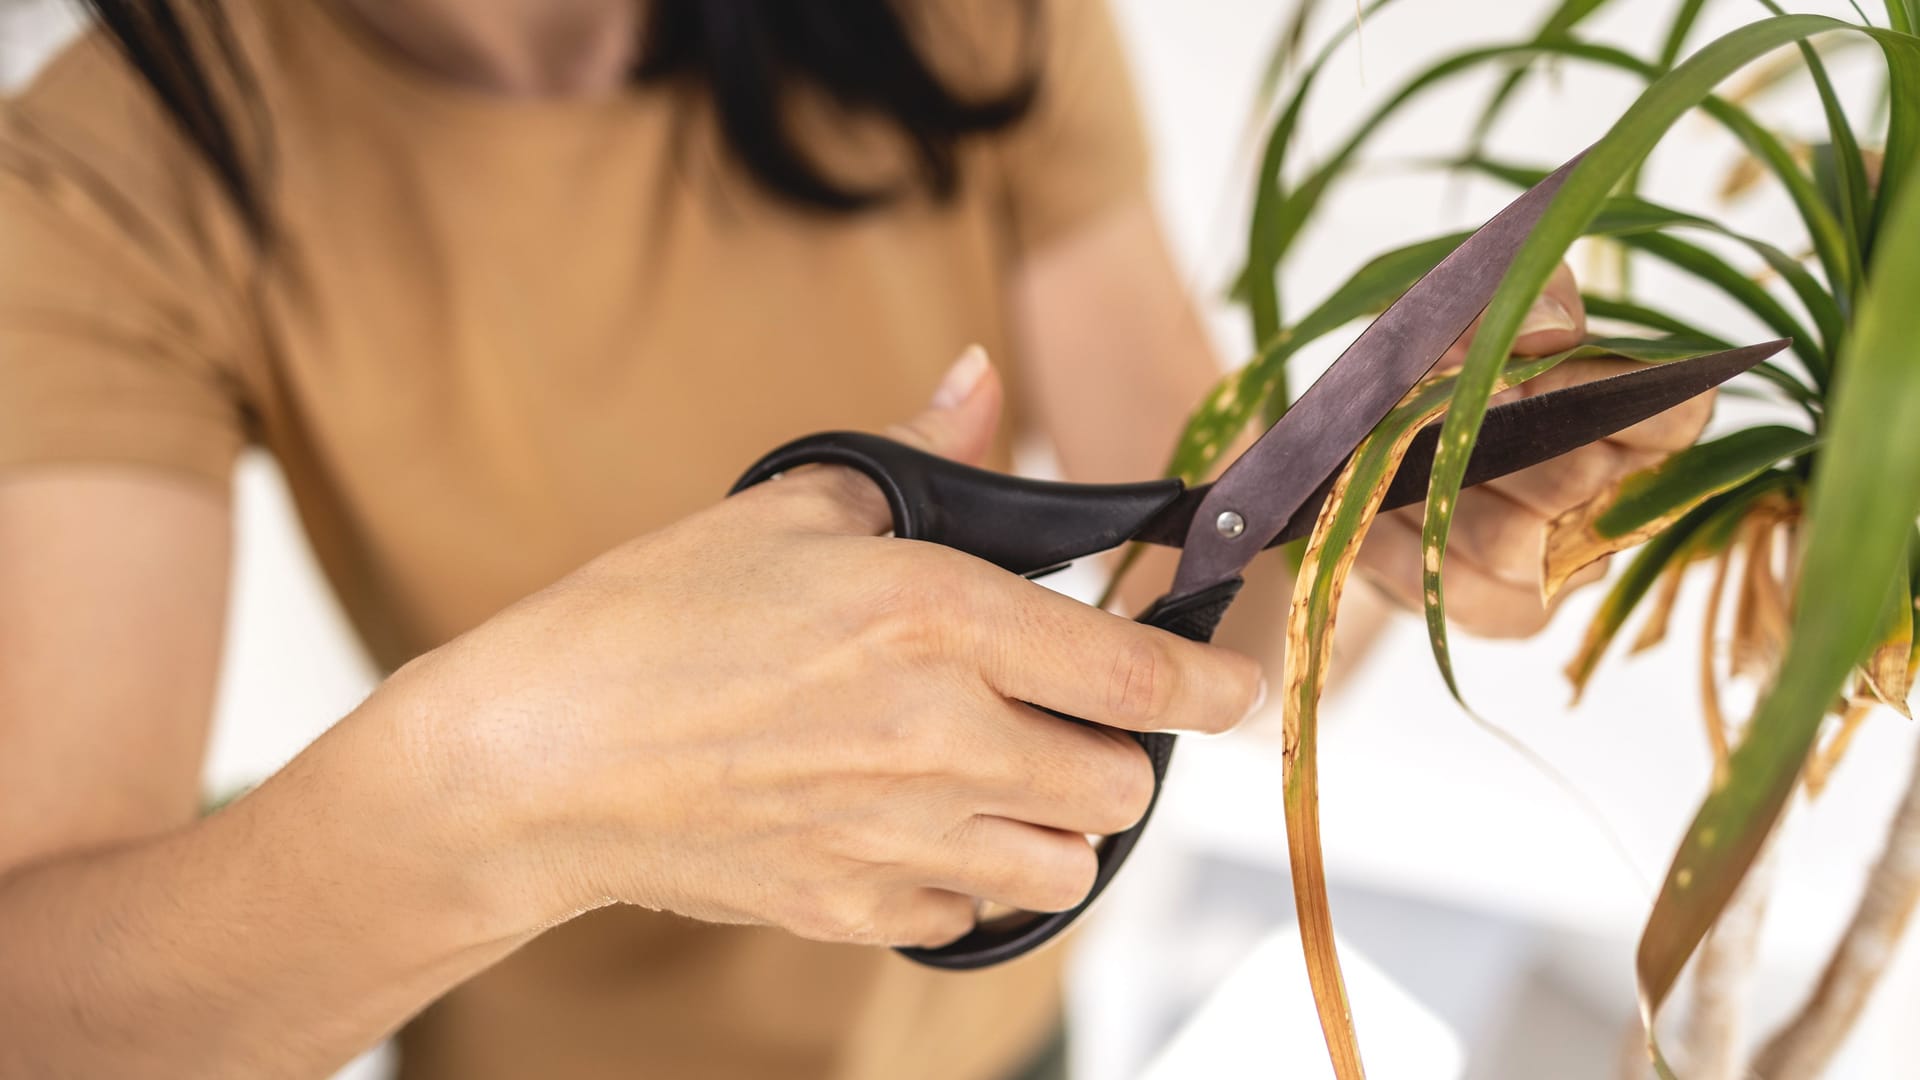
column 102, row 194
column 87, row 119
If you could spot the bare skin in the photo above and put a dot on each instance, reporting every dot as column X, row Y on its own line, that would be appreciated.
column 855, row 767
column 512, row 778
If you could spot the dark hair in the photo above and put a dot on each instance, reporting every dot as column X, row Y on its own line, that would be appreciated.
column 747, row 54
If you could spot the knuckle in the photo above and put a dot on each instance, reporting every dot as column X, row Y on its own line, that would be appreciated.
column 1133, row 791
column 922, row 610
column 822, row 913
column 1070, row 880
column 1141, row 684
column 944, row 921
column 851, row 918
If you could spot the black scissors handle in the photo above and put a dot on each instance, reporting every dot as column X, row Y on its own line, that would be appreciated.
column 1030, row 527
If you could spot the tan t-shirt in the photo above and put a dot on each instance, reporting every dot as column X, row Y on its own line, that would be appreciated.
column 491, row 339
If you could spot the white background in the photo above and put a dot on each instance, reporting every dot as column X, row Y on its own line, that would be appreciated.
column 1486, row 891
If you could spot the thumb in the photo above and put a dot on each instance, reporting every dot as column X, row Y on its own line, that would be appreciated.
column 958, row 423
column 965, row 411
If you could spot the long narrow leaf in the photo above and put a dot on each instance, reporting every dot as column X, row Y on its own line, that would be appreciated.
column 1560, row 23
column 1266, row 238
column 1607, row 307
column 1579, row 201
column 1865, row 494
column 1628, row 216
column 1901, row 15
column 1329, row 557
column 1711, row 268
column 1279, row 219
column 1852, row 201
column 1677, row 31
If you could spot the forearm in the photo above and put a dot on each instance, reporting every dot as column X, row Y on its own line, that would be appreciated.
column 277, row 937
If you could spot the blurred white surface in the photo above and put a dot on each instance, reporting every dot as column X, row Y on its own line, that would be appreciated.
column 1482, row 890
column 1263, row 1013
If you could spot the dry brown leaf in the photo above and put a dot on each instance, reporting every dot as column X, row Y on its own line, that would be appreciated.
column 1710, row 714
column 1573, row 543
column 1760, row 611
column 1888, row 671
column 1654, row 630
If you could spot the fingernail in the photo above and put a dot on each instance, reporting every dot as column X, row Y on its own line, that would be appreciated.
column 961, row 378
column 1548, row 314
column 1259, row 701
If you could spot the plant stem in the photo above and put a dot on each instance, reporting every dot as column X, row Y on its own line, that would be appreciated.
column 1804, row 1046
column 1715, row 1039
column 1632, row 1063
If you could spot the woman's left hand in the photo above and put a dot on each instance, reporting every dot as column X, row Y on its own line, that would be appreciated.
column 1493, row 559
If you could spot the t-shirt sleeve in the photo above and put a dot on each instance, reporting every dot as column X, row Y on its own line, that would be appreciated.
column 116, row 340
column 1081, row 149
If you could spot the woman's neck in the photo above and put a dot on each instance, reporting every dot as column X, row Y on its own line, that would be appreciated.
column 521, row 48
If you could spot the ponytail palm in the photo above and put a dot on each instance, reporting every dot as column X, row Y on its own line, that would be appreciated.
column 1808, row 524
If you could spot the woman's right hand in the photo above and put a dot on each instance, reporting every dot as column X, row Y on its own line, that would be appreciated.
column 769, row 713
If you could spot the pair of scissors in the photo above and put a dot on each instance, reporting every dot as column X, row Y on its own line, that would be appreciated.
column 1271, row 494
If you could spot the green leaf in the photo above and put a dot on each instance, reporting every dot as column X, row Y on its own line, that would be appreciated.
column 1372, row 288
column 1853, row 204
column 1279, row 214
column 1677, row 32
column 1824, row 230
column 1692, row 339
column 1849, row 171
column 1864, row 496
column 1903, row 15
column 1560, row 23
column 1716, row 271
column 1903, row 118
column 1579, row 201
column 1627, row 311
column 1644, row 503
column 1268, row 237
column 1709, row 467
column 1627, row 216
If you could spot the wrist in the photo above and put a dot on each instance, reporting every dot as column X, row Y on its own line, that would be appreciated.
column 420, row 799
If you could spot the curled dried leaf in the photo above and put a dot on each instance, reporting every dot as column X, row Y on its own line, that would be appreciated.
column 1643, row 504
column 1887, row 670
column 1824, row 760
column 1700, row 533
column 1710, row 713
column 1654, row 630
column 1761, row 608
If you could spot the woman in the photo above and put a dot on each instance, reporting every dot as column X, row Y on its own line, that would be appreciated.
column 512, row 289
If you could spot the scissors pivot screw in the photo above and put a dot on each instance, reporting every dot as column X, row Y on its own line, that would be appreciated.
column 1229, row 524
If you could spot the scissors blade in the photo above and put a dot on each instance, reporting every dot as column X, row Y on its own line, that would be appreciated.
column 1514, row 436
column 1269, row 483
